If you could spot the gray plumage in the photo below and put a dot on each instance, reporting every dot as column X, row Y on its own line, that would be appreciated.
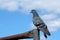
column 38, row 22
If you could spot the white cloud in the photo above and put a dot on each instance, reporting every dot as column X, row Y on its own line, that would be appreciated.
column 49, row 16
column 53, row 25
column 9, row 5
column 49, row 5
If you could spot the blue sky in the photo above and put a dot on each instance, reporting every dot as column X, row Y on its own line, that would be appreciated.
column 15, row 16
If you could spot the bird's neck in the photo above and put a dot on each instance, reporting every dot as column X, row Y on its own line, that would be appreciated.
column 35, row 14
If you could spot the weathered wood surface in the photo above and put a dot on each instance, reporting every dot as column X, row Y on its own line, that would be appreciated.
column 19, row 36
column 30, row 34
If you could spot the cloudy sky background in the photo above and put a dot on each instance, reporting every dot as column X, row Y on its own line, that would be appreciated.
column 15, row 16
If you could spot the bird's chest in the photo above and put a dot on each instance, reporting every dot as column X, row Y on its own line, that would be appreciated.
column 36, row 20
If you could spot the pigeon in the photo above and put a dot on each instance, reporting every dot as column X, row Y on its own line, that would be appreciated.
column 38, row 22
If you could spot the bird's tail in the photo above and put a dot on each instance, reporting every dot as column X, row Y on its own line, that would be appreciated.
column 45, row 35
column 45, row 31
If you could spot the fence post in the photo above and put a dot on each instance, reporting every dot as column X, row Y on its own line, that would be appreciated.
column 36, row 34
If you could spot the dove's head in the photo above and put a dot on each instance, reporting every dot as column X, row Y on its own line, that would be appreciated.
column 33, row 11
